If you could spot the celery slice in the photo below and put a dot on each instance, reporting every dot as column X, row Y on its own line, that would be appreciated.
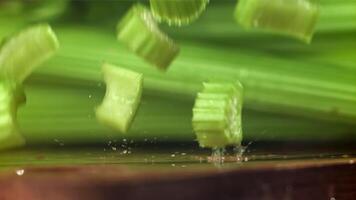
column 295, row 18
column 217, row 115
column 177, row 12
column 140, row 33
column 22, row 53
column 10, row 98
column 123, row 95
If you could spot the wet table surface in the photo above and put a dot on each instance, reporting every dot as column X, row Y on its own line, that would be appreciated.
column 181, row 172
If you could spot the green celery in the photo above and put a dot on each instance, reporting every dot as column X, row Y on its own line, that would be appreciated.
column 296, row 18
column 71, row 121
column 10, row 98
column 123, row 95
column 217, row 115
column 177, row 12
column 218, row 25
column 20, row 54
column 318, row 91
column 140, row 33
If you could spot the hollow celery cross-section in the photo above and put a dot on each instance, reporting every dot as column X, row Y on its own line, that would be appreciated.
column 10, row 98
column 122, row 97
column 217, row 115
column 295, row 18
column 22, row 53
column 141, row 34
column 177, row 12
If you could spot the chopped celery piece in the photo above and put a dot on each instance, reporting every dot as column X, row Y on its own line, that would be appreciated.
column 22, row 53
column 217, row 115
column 10, row 98
column 296, row 18
column 140, row 33
column 177, row 12
column 122, row 97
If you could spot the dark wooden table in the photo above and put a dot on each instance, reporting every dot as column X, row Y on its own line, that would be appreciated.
column 175, row 175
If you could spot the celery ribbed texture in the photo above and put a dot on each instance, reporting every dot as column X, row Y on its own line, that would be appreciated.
column 293, row 92
column 318, row 91
column 177, row 12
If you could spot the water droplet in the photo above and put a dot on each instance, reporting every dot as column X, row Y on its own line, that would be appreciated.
column 183, row 154
column 114, row 148
column 20, row 172
column 173, row 165
column 173, row 155
column 90, row 96
column 332, row 198
column 351, row 161
column 217, row 156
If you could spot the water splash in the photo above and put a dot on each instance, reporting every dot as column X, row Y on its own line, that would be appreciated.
column 20, row 172
column 217, row 156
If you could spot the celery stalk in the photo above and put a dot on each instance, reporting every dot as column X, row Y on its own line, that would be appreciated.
column 10, row 99
column 123, row 94
column 217, row 115
column 177, row 12
column 47, row 121
column 296, row 18
column 140, row 33
column 318, row 91
column 20, row 54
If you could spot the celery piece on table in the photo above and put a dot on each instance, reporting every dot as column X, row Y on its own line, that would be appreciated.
column 140, row 33
column 123, row 95
column 217, row 115
column 296, row 18
column 22, row 53
column 177, row 12
column 10, row 99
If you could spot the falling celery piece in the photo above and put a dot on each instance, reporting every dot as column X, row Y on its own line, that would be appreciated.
column 10, row 99
column 19, row 56
column 177, row 12
column 123, row 95
column 22, row 53
column 140, row 33
column 217, row 115
column 295, row 18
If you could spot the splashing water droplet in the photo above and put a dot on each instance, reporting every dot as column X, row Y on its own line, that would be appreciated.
column 217, row 156
column 20, row 172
